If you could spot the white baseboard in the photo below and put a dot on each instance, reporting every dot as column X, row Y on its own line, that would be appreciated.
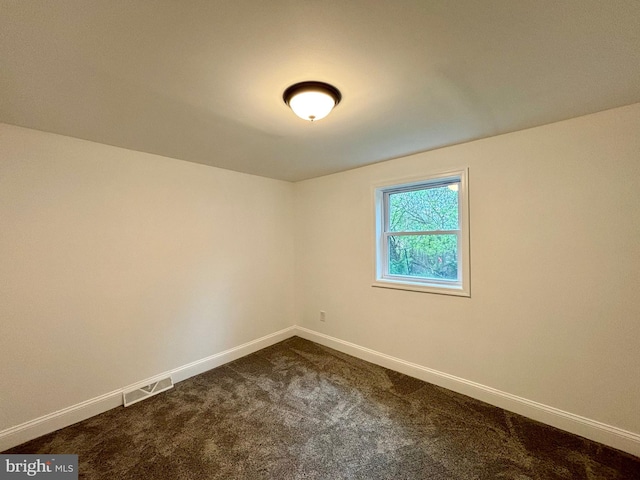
column 205, row 364
column 24, row 432
column 597, row 431
column 592, row 429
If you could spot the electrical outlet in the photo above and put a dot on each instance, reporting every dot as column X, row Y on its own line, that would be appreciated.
column 323, row 316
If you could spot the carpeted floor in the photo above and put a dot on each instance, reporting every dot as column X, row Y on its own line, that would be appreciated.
column 298, row 410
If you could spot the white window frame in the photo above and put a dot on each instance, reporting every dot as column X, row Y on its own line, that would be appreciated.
column 459, row 287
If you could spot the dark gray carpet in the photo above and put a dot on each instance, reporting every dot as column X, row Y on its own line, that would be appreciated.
column 298, row 410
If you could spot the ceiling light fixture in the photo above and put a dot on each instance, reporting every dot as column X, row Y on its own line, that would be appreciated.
column 312, row 100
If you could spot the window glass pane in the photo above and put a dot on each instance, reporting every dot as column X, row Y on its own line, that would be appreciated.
column 422, row 210
column 424, row 256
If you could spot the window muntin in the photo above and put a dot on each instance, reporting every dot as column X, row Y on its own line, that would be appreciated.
column 422, row 235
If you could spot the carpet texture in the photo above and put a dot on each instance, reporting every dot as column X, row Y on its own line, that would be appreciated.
column 298, row 410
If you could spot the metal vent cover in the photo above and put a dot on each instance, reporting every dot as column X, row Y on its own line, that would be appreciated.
column 140, row 393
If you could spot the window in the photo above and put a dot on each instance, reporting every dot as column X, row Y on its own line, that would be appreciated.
column 422, row 234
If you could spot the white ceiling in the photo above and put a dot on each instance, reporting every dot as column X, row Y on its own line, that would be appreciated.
column 202, row 80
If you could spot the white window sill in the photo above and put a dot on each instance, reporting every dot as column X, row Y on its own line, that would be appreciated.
column 455, row 290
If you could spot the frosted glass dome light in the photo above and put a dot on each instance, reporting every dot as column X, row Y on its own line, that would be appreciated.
column 312, row 100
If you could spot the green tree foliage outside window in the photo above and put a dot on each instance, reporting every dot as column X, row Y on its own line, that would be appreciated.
column 422, row 226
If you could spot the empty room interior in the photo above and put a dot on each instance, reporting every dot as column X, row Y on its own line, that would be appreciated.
column 439, row 279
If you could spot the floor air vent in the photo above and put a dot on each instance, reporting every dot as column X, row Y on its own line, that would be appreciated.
column 140, row 393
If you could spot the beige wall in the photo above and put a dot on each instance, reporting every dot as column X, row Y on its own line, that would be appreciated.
column 554, row 313
column 118, row 265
